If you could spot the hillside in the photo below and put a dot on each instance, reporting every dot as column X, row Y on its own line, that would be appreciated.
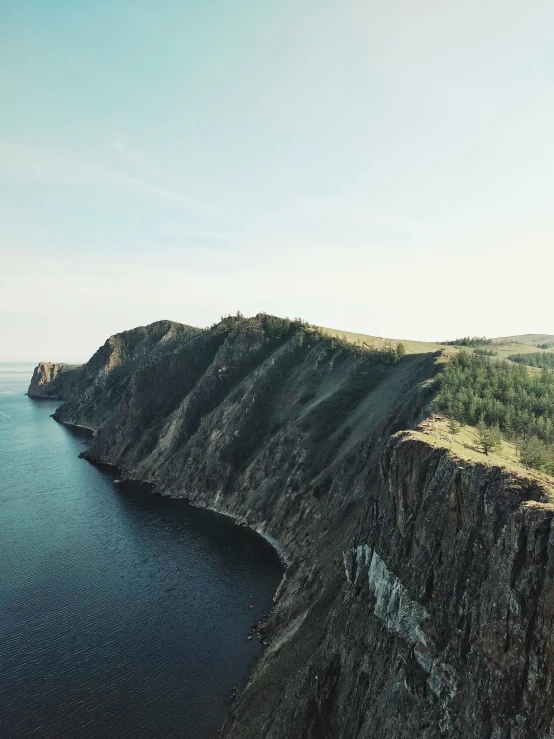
column 526, row 339
column 502, row 346
column 365, row 340
column 417, row 598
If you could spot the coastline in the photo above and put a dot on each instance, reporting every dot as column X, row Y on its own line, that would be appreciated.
column 76, row 426
column 280, row 550
column 241, row 521
column 237, row 565
column 283, row 555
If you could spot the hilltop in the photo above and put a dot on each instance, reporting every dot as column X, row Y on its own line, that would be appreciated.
column 526, row 339
column 412, row 347
column 503, row 345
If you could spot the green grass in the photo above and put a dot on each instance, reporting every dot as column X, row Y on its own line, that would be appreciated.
column 464, row 445
column 504, row 351
column 503, row 346
column 380, row 342
column 525, row 339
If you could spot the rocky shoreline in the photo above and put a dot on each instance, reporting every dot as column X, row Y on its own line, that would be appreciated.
column 417, row 600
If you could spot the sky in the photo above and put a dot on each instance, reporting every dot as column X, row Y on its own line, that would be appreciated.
column 378, row 167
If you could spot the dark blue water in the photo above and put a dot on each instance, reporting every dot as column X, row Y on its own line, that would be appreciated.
column 122, row 614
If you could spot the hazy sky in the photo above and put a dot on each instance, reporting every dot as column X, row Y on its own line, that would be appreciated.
column 383, row 167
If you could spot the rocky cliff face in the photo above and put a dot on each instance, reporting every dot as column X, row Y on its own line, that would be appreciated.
column 418, row 600
column 53, row 380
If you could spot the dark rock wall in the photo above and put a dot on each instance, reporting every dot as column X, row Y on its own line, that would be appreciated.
column 418, row 600
column 440, row 623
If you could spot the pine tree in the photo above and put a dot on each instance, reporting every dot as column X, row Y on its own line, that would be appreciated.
column 488, row 438
column 400, row 350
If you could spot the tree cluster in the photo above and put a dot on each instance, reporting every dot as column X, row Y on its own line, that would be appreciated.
column 535, row 359
column 536, row 453
column 469, row 341
column 496, row 395
column 387, row 354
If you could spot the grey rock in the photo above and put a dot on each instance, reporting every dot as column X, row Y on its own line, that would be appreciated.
column 418, row 599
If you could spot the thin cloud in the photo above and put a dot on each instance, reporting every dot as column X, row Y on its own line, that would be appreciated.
column 28, row 165
column 173, row 196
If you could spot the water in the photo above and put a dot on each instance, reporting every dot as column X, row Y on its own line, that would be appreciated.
column 122, row 614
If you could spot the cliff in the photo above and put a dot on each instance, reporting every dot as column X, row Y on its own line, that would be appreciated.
column 418, row 599
column 53, row 380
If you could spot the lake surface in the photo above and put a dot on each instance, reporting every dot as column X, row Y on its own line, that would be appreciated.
column 122, row 614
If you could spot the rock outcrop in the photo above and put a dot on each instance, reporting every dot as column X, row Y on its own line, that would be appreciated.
column 53, row 380
column 419, row 597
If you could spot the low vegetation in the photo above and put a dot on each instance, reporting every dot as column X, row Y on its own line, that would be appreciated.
column 538, row 359
column 502, row 399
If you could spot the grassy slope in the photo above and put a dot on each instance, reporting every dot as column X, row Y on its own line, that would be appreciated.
column 463, row 446
column 504, row 350
column 412, row 347
column 524, row 344
column 528, row 339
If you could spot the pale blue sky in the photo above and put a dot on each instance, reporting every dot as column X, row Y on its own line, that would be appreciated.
column 384, row 167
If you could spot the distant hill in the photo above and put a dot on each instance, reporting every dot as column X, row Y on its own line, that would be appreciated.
column 504, row 346
column 529, row 339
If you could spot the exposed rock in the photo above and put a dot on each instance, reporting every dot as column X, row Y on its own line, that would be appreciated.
column 53, row 380
column 419, row 597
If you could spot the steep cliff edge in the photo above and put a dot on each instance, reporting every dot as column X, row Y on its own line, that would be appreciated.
column 52, row 380
column 418, row 600
column 98, row 384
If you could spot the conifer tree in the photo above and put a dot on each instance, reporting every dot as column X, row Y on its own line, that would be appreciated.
column 489, row 438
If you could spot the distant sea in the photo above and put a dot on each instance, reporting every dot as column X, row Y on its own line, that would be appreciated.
column 122, row 614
